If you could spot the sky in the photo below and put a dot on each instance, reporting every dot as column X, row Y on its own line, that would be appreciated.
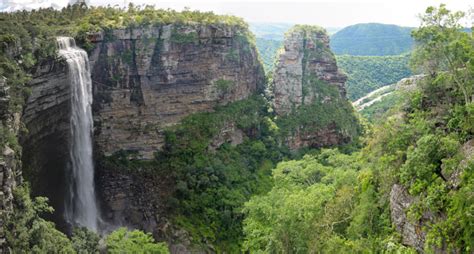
column 326, row 13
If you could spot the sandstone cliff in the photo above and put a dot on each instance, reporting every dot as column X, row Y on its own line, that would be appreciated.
column 309, row 91
column 148, row 79
column 305, row 57
column 46, row 142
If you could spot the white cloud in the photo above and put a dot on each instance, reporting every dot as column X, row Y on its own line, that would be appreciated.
column 15, row 5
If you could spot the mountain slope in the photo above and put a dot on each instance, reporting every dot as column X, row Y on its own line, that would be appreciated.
column 367, row 73
column 372, row 39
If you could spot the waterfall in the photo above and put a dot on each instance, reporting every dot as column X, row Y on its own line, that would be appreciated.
column 81, row 205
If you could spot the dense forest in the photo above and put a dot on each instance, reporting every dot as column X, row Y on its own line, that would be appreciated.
column 367, row 73
column 268, row 50
column 259, row 196
column 340, row 202
column 372, row 39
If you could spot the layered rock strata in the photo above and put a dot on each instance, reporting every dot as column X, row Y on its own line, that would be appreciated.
column 306, row 78
column 305, row 56
column 148, row 79
column 45, row 144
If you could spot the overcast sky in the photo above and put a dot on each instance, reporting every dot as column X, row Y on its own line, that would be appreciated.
column 335, row 13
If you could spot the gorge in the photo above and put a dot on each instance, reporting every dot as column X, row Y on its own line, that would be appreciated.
column 166, row 124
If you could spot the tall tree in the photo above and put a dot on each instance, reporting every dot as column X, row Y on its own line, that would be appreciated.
column 444, row 50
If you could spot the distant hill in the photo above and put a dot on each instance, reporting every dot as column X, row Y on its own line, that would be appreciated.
column 268, row 51
column 372, row 39
column 270, row 31
column 276, row 31
column 365, row 73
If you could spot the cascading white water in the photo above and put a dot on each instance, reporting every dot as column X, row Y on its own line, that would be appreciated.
column 81, row 205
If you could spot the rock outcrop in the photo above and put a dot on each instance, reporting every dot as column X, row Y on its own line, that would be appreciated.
column 411, row 232
column 309, row 91
column 454, row 177
column 148, row 79
column 305, row 58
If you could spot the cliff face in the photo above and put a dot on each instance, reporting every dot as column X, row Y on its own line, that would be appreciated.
column 413, row 233
column 148, row 79
column 46, row 116
column 307, row 79
column 305, row 57
column 10, row 166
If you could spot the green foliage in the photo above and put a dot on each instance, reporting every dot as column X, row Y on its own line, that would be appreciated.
column 85, row 241
column 378, row 110
column 315, row 205
column 7, row 138
column 183, row 38
column 270, row 31
column 372, row 39
column 124, row 241
column 233, row 55
column 457, row 230
column 127, row 56
column 268, row 51
column 228, row 195
column 28, row 38
column 307, row 29
column 335, row 112
column 212, row 184
column 444, row 50
column 223, row 85
column 27, row 232
column 423, row 164
column 367, row 73
column 420, row 144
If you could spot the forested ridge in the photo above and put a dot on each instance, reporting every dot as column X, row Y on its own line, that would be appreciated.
column 259, row 196
column 372, row 39
column 367, row 73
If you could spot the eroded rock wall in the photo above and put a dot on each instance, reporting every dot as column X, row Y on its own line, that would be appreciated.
column 148, row 79
column 309, row 92
column 46, row 142
column 306, row 55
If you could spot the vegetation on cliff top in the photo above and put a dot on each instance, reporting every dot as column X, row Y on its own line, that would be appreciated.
column 28, row 37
